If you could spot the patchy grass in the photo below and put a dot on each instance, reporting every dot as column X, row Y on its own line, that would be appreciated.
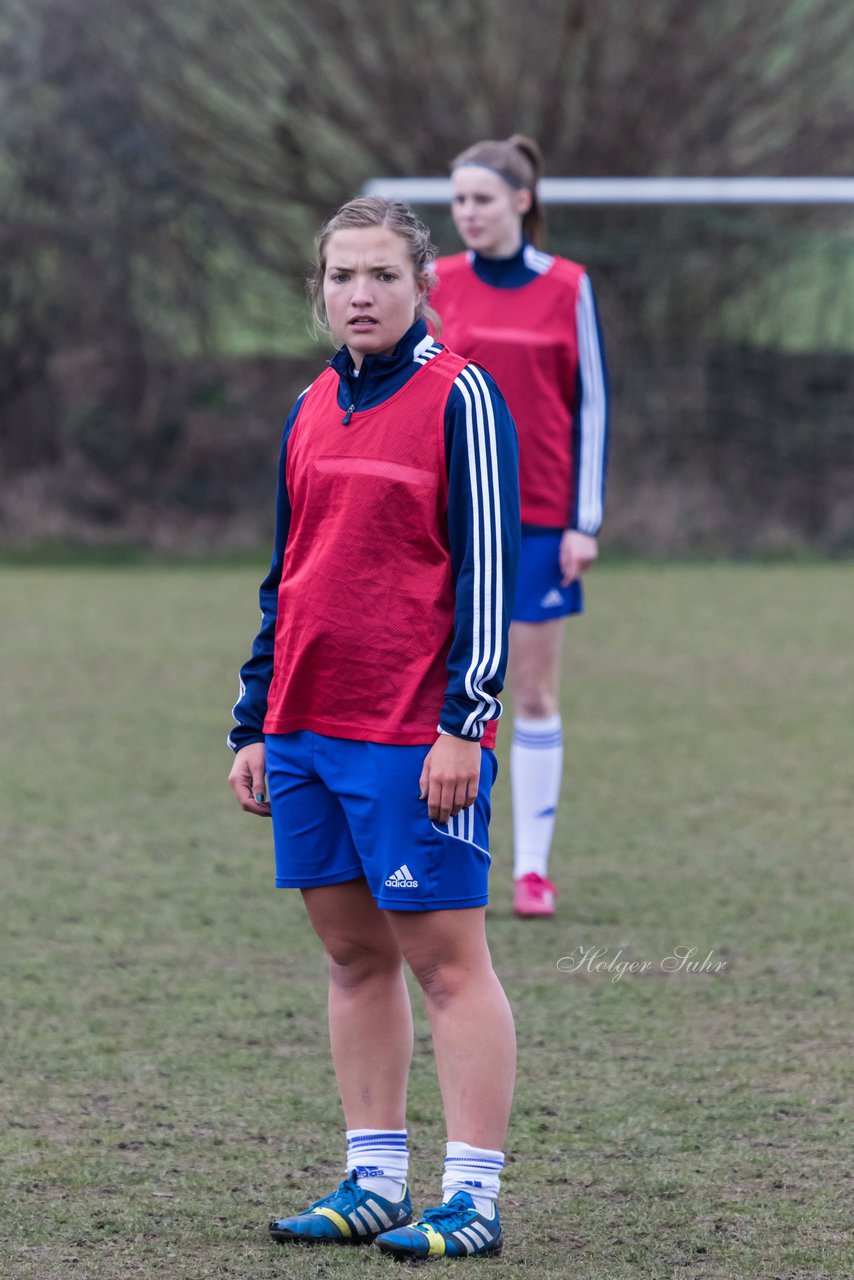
column 165, row 1077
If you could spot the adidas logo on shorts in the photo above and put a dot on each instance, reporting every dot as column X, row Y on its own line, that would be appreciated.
column 401, row 879
column 552, row 599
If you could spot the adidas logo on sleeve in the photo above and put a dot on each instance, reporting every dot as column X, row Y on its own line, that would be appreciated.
column 401, row 879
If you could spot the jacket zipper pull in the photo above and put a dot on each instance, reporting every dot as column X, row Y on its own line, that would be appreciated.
column 345, row 421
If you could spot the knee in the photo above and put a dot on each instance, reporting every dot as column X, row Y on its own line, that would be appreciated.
column 354, row 962
column 441, row 982
column 534, row 696
column 534, row 702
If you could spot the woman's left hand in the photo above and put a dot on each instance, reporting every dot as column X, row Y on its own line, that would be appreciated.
column 450, row 777
column 577, row 553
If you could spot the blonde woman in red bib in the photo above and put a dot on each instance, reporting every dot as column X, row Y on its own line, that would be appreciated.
column 365, row 725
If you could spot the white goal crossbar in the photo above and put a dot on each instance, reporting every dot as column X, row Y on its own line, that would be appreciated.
column 642, row 190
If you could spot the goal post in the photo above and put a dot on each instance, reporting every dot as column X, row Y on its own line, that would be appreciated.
column 638, row 191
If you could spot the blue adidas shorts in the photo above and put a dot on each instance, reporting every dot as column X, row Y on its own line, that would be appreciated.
column 344, row 809
column 539, row 595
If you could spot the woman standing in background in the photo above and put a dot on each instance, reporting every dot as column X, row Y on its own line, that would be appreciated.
column 531, row 320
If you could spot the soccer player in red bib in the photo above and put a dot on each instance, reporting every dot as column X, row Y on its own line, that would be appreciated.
column 531, row 320
column 366, row 721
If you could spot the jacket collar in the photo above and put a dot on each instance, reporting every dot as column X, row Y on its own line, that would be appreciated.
column 517, row 259
column 383, row 366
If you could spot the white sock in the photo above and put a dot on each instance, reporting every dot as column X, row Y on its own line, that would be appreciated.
column 475, row 1170
column 380, row 1158
column 536, row 766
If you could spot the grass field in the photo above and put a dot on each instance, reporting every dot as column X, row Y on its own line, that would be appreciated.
column 165, row 1076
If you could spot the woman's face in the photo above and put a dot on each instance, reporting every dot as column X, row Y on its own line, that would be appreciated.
column 487, row 211
column 369, row 289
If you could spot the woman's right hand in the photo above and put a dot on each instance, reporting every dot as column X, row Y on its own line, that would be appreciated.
column 577, row 553
column 248, row 779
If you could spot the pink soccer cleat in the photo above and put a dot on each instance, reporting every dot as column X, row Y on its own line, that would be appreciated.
column 533, row 895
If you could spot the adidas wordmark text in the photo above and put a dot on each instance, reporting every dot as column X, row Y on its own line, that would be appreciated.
column 401, row 879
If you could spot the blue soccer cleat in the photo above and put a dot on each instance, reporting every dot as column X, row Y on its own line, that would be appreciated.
column 350, row 1215
column 453, row 1230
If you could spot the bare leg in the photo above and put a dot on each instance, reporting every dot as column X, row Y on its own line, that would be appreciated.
column 370, row 1017
column 474, row 1039
column 534, row 668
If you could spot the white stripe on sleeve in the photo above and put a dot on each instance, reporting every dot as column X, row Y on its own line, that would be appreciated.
column 487, row 576
column 593, row 413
